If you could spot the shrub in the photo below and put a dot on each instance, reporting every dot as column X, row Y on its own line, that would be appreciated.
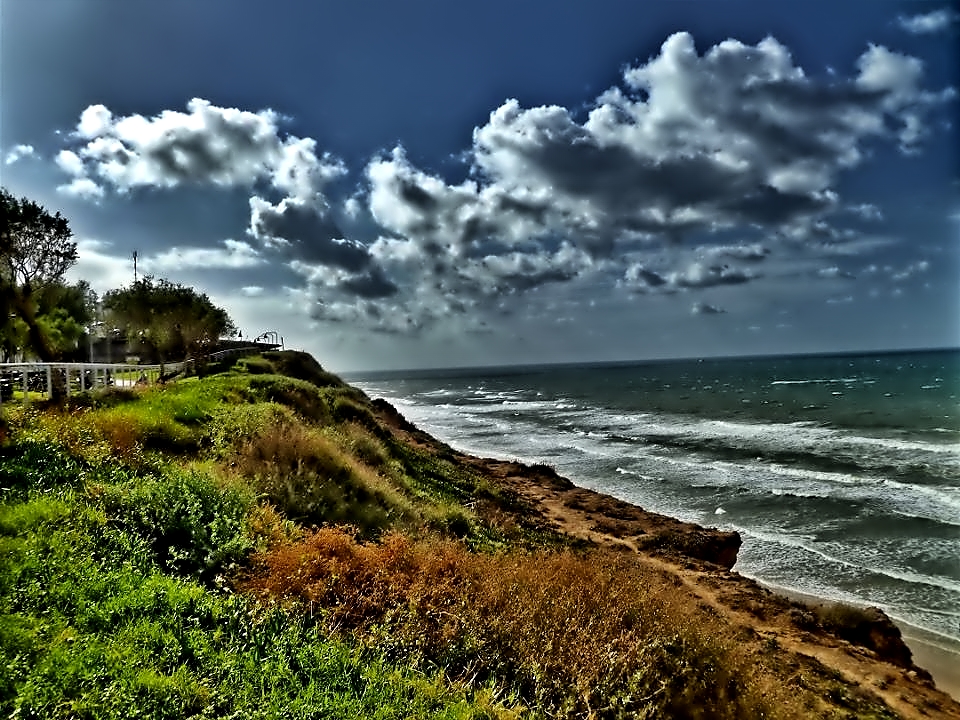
column 103, row 397
column 302, row 366
column 569, row 636
column 255, row 365
column 308, row 477
column 365, row 447
column 299, row 395
column 31, row 466
column 233, row 425
column 193, row 524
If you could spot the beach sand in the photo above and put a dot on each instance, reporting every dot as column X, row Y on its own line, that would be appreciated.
column 938, row 655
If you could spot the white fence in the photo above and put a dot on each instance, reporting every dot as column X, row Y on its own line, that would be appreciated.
column 27, row 378
column 33, row 378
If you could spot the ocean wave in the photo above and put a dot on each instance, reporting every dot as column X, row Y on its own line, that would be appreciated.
column 906, row 576
column 824, row 381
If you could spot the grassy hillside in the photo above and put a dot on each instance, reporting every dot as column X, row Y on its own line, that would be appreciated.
column 261, row 543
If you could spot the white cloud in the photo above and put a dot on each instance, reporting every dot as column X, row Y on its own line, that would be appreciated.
column 928, row 23
column 738, row 137
column 232, row 254
column 909, row 270
column 95, row 120
column 834, row 272
column 97, row 265
column 207, row 145
column 19, row 152
column 70, row 163
column 698, row 274
column 737, row 141
column 81, row 187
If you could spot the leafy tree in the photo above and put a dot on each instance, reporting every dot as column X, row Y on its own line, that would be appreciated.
column 63, row 313
column 36, row 250
column 172, row 321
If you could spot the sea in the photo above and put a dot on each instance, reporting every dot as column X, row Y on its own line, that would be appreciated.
column 841, row 473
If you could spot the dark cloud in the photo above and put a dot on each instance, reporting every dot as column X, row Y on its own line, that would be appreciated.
column 701, row 275
column 701, row 308
column 736, row 141
column 738, row 137
column 371, row 284
column 305, row 232
column 639, row 277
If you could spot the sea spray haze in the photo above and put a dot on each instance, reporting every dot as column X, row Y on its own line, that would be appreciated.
column 842, row 473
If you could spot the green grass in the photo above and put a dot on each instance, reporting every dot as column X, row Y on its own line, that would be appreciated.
column 110, row 607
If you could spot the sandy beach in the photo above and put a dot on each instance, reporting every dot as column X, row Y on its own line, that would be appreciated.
column 938, row 655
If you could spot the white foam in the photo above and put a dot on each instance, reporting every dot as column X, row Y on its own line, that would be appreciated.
column 821, row 381
column 805, row 544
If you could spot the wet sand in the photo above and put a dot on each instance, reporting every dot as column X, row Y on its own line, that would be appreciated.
column 938, row 655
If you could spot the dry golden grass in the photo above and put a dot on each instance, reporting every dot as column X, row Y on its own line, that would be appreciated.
column 572, row 635
column 309, row 475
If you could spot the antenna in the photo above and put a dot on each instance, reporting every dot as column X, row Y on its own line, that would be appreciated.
column 134, row 266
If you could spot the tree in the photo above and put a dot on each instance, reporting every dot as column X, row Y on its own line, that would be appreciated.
column 36, row 250
column 171, row 320
column 63, row 314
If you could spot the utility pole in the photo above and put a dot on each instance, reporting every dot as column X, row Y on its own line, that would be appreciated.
column 134, row 267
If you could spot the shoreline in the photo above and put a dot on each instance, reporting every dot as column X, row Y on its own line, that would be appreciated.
column 937, row 655
column 868, row 649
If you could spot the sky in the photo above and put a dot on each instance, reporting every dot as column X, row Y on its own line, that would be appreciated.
column 433, row 184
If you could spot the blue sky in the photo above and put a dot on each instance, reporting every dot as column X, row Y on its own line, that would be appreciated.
column 427, row 184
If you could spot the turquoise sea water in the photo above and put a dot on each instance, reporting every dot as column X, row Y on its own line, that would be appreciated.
column 842, row 474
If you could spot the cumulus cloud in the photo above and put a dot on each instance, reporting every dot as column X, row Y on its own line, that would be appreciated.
column 736, row 141
column 928, row 23
column 736, row 138
column 306, row 231
column 207, row 145
column 19, row 152
column 81, row 187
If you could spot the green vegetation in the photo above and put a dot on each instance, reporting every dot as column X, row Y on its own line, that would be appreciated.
column 261, row 543
column 38, row 310
column 172, row 321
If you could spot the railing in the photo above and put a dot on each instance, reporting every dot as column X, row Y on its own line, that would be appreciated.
column 39, row 378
